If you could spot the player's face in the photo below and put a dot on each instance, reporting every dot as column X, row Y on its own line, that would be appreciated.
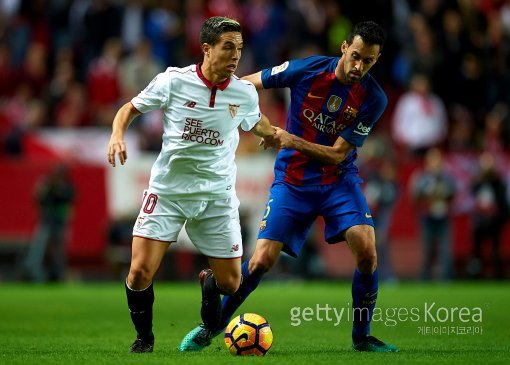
column 357, row 58
column 225, row 55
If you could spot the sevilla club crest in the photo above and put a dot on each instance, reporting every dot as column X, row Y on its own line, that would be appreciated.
column 232, row 108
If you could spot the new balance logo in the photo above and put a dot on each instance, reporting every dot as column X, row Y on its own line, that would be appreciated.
column 190, row 104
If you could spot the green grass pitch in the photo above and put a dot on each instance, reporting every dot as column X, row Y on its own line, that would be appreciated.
column 89, row 324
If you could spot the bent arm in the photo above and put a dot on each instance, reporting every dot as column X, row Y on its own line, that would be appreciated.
column 330, row 155
column 255, row 79
column 121, row 122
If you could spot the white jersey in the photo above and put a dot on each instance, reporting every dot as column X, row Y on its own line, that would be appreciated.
column 200, row 135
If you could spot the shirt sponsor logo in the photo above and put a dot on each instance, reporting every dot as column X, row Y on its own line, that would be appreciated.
column 195, row 132
column 362, row 130
column 322, row 122
column 277, row 69
column 233, row 108
column 235, row 248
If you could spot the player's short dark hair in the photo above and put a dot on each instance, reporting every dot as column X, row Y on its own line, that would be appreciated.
column 371, row 33
column 215, row 26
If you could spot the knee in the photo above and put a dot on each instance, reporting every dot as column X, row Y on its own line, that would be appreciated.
column 261, row 264
column 139, row 277
column 361, row 239
column 230, row 284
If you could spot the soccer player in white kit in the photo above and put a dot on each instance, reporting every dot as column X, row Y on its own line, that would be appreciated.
column 192, row 182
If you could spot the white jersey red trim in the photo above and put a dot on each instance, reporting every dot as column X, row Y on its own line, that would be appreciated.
column 200, row 135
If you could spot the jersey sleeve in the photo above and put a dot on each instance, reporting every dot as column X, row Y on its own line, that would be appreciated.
column 370, row 112
column 155, row 95
column 284, row 75
column 252, row 115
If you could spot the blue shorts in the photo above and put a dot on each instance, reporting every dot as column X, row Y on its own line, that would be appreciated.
column 291, row 210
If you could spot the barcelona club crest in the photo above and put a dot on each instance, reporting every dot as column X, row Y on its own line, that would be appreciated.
column 232, row 108
column 334, row 103
column 350, row 113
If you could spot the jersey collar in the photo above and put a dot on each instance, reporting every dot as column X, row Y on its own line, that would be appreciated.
column 208, row 83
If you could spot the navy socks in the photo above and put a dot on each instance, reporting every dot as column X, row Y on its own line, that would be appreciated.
column 364, row 296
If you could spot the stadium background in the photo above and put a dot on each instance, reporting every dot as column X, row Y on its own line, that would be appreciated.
column 66, row 66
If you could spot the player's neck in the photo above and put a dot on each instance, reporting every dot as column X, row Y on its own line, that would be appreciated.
column 339, row 74
column 213, row 77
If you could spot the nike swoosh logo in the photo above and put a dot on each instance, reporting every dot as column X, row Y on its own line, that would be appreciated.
column 310, row 95
column 368, row 215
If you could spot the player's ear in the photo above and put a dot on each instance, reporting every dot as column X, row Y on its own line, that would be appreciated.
column 205, row 48
column 344, row 47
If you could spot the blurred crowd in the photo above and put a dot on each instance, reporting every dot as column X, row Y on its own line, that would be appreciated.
column 71, row 64
column 445, row 68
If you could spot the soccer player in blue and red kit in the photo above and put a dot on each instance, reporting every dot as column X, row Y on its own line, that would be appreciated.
column 334, row 104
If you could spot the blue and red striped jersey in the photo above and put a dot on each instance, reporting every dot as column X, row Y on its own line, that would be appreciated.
column 321, row 110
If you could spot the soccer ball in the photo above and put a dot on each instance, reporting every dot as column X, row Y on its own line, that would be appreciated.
column 248, row 334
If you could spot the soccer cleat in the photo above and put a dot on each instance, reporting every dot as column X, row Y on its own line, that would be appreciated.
column 372, row 344
column 211, row 300
column 141, row 346
column 198, row 339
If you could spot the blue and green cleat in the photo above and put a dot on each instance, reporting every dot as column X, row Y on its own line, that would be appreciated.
column 198, row 339
column 372, row 344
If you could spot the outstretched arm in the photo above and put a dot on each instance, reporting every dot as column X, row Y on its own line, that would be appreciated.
column 121, row 122
column 263, row 128
column 330, row 155
column 255, row 79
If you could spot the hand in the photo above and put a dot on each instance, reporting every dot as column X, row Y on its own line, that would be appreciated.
column 117, row 146
column 280, row 139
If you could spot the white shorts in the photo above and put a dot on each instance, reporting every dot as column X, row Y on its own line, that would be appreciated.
column 212, row 225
